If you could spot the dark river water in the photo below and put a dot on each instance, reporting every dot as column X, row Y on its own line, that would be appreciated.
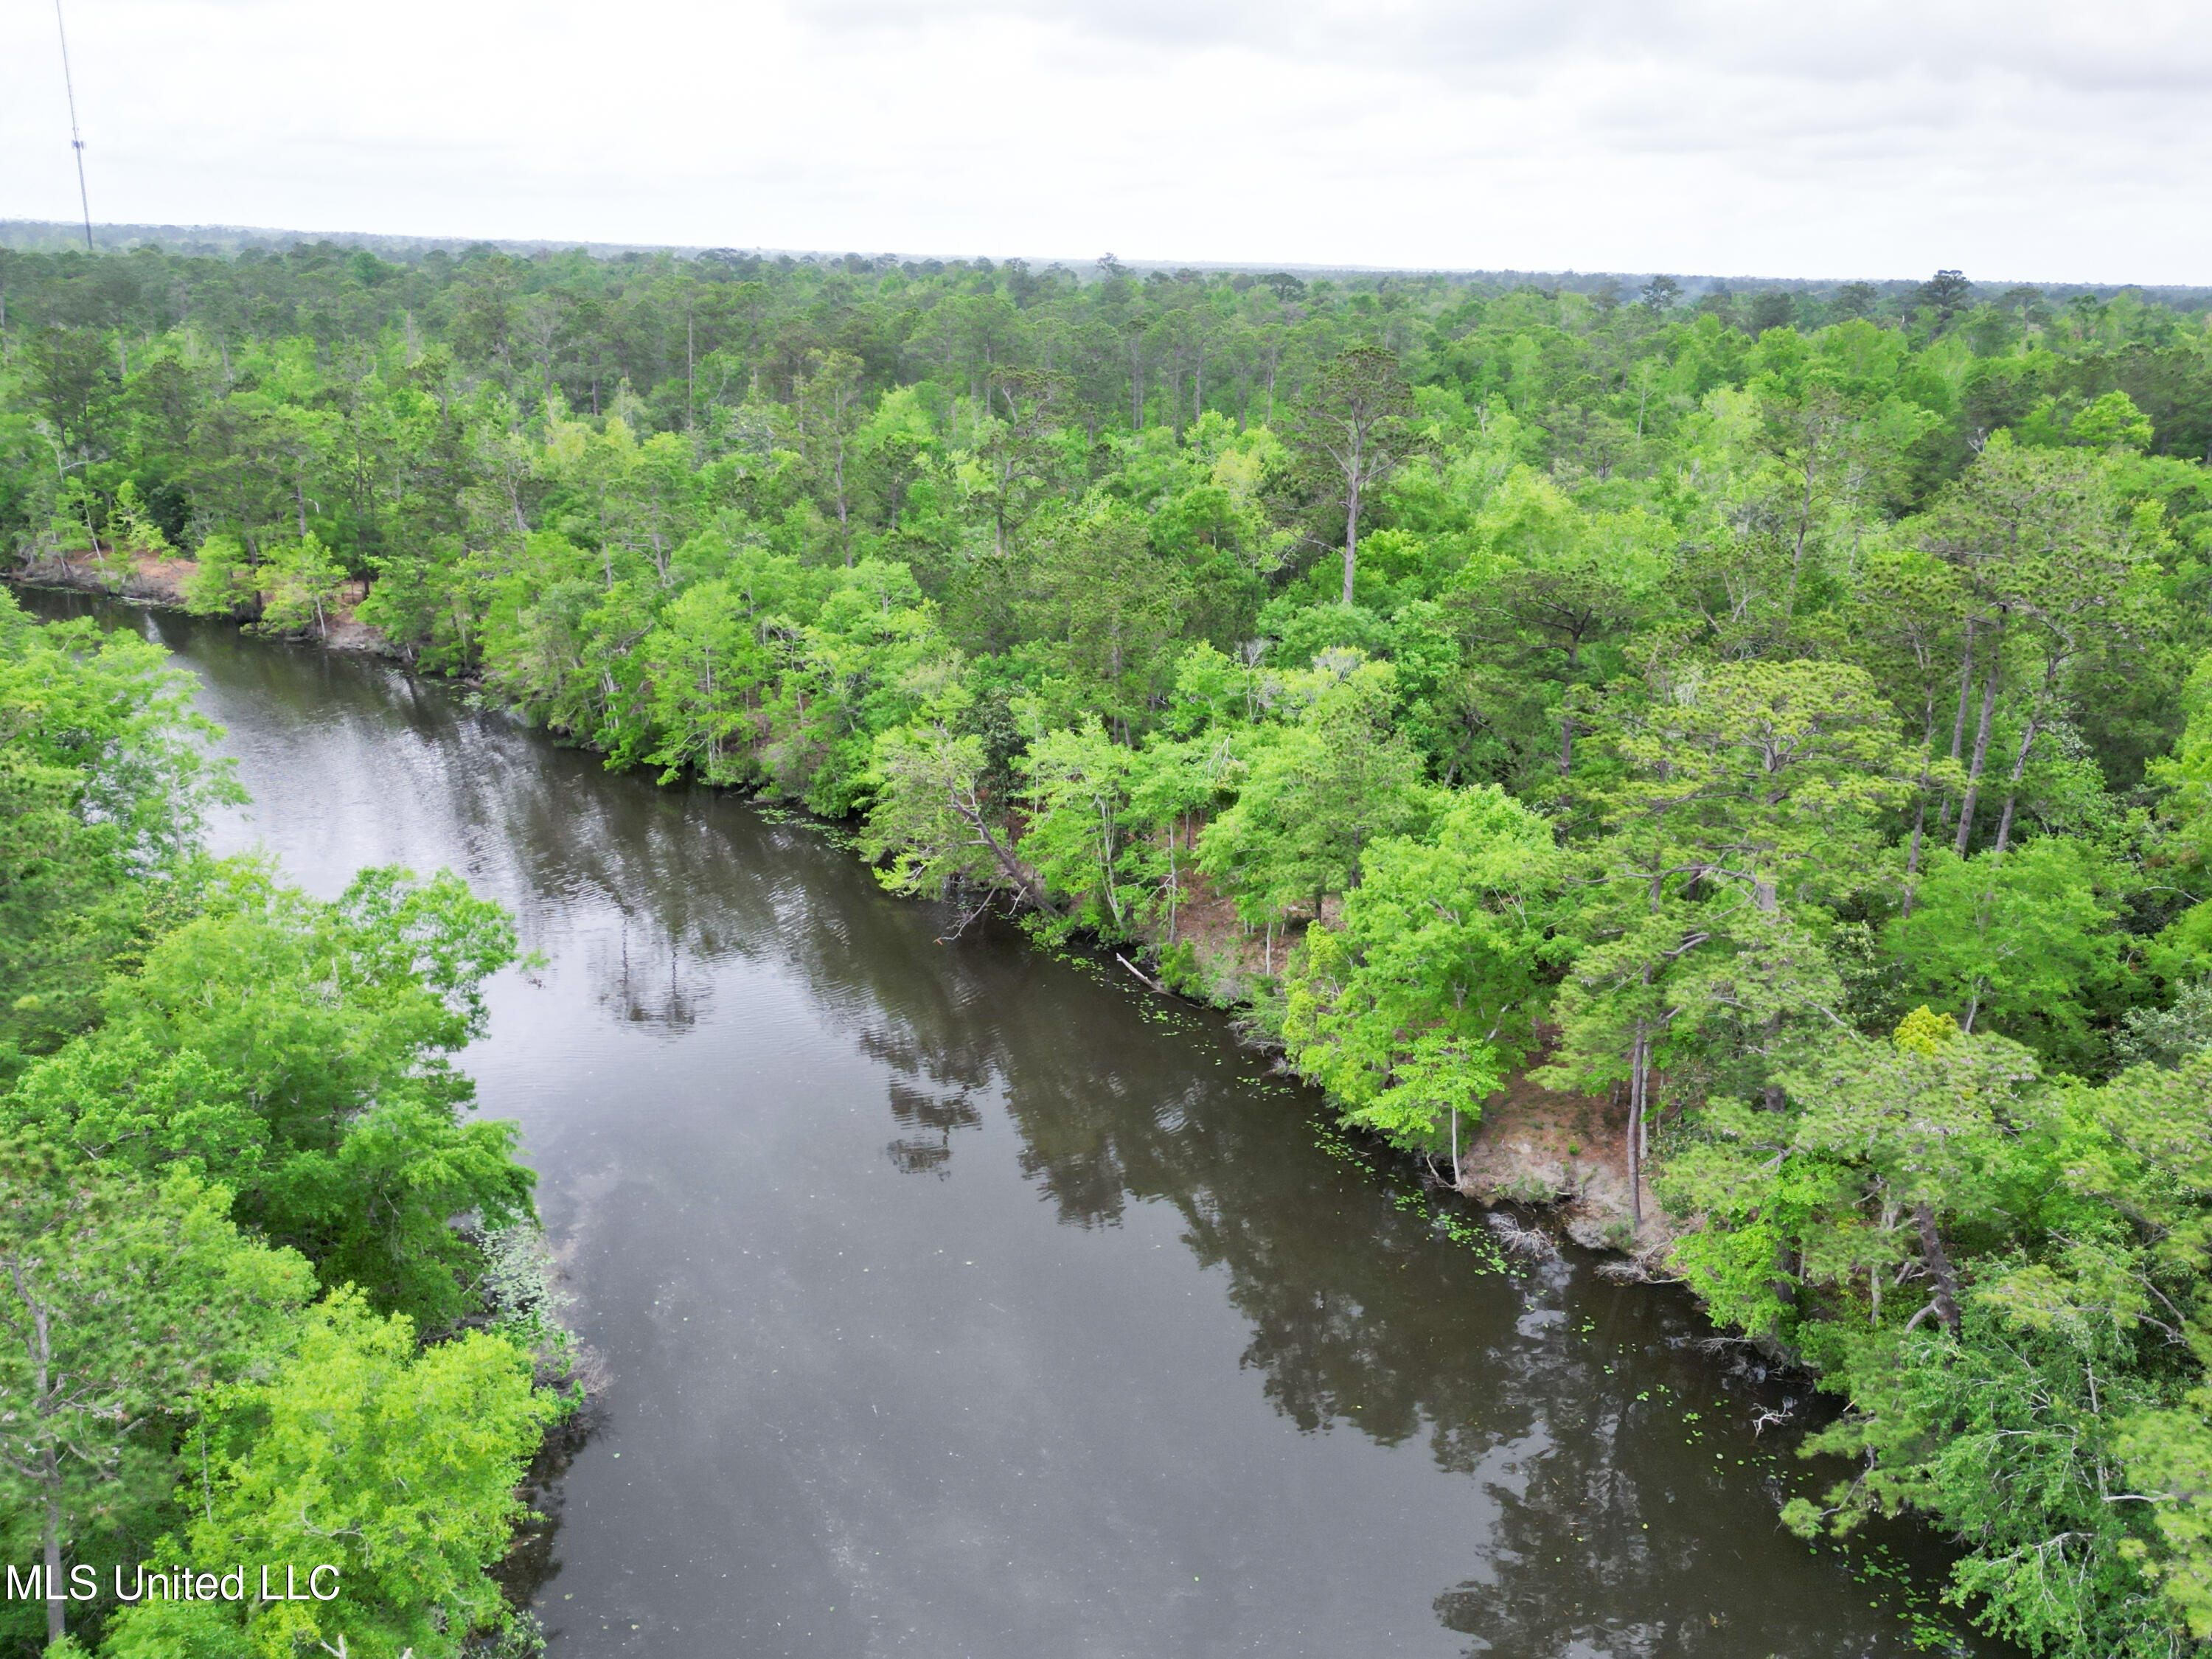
column 958, row 1299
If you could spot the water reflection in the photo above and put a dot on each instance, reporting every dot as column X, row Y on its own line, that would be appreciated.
column 642, row 980
column 930, row 1118
column 1140, row 1369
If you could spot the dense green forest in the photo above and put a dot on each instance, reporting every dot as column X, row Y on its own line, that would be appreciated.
column 1788, row 719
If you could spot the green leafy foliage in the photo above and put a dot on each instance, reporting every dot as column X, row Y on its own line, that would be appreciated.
column 104, row 778
column 301, row 1052
column 1411, row 1009
column 396, row 1463
column 1316, row 793
column 123, row 1302
column 1470, row 676
column 233, row 1097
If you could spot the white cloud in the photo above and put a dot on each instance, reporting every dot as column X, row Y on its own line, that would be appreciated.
column 1881, row 137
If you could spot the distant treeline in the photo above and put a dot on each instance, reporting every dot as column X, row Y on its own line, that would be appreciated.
column 56, row 236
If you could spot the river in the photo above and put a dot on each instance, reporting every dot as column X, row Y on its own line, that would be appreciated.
column 959, row 1298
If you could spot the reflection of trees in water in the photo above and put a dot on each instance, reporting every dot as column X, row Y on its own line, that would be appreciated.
column 1606, row 1541
column 640, row 979
column 1628, row 1528
column 1358, row 1317
column 936, row 1117
column 1561, row 1393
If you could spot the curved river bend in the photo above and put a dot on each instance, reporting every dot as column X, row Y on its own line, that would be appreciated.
column 959, row 1300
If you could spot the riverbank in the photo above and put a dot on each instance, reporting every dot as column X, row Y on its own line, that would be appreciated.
column 160, row 578
column 1558, row 1153
column 1561, row 1154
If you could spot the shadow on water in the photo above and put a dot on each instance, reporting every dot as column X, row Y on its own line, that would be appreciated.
column 1225, row 1389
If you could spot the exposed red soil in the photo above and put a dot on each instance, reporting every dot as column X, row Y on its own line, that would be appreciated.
column 1533, row 1144
column 1536, row 1145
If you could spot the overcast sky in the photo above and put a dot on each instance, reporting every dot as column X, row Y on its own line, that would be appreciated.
column 1855, row 138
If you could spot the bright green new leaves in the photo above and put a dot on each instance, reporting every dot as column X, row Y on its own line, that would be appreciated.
column 768, row 673
column 1315, row 795
column 860, row 664
column 2054, row 1413
column 1110, row 828
column 708, row 661
column 1411, row 1009
column 2056, row 573
column 2148, row 1153
column 104, row 779
column 1750, row 794
column 223, row 580
column 2187, row 773
column 1763, row 777
column 302, row 1051
column 121, row 1298
column 1881, row 1146
column 936, row 823
column 1014, row 564
column 2023, row 939
column 293, row 587
column 1924, row 1121
column 542, row 615
column 398, row 1465
column 2168, row 1454
column 1748, row 787
column 2012, row 1438
column 270, row 1068
column 303, row 580
column 2109, row 421
column 1082, row 838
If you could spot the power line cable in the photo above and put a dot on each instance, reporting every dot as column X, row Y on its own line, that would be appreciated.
column 77, row 141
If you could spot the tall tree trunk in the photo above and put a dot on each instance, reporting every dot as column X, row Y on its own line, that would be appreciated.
column 1912, row 857
column 1940, row 1274
column 56, row 1605
column 2027, row 743
column 1175, row 885
column 1804, row 526
column 1567, row 719
column 1351, row 528
column 1638, row 1057
column 2012, row 788
column 844, row 524
column 1981, row 758
column 1920, row 811
column 1959, row 724
column 49, row 1470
